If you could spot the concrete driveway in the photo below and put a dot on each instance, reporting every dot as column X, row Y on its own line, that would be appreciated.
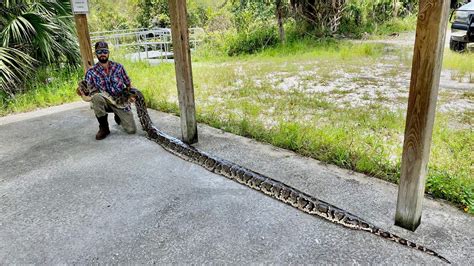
column 66, row 198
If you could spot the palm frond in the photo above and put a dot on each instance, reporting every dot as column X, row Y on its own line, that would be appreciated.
column 39, row 29
column 14, row 66
column 18, row 30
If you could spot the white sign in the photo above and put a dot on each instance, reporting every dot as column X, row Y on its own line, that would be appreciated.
column 80, row 6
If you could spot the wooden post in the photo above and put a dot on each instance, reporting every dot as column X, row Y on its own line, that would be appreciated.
column 184, row 75
column 84, row 41
column 425, row 75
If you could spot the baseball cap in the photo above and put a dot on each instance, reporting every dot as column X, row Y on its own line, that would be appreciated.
column 101, row 45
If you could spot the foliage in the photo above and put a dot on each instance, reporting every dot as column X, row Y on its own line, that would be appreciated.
column 247, row 22
column 248, row 14
column 112, row 15
column 34, row 33
column 155, row 13
column 48, row 87
column 219, row 20
column 396, row 25
column 462, row 65
column 251, row 41
column 361, row 16
column 321, row 15
column 14, row 66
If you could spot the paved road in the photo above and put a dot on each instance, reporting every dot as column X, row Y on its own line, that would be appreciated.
column 66, row 198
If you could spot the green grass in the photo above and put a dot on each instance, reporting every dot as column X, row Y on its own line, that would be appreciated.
column 462, row 65
column 397, row 25
column 242, row 95
column 42, row 93
column 323, row 48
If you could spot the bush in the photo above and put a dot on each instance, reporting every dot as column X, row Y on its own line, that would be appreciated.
column 253, row 41
column 48, row 87
column 355, row 21
column 441, row 184
column 215, row 44
column 298, row 31
column 397, row 25
column 362, row 16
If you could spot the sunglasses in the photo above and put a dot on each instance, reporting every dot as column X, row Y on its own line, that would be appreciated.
column 102, row 51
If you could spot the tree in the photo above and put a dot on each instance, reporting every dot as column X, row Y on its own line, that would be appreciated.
column 34, row 33
column 107, row 15
column 280, row 7
column 155, row 13
column 324, row 15
column 262, row 10
column 395, row 8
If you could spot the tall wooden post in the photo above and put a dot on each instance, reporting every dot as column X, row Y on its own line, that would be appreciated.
column 425, row 75
column 184, row 75
column 84, row 41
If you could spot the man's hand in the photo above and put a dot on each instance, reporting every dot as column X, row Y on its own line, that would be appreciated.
column 131, row 96
column 79, row 92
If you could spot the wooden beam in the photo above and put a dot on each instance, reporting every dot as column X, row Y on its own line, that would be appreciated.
column 425, row 75
column 84, row 41
column 184, row 75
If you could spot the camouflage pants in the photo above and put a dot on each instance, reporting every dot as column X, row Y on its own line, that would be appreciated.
column 102, row 106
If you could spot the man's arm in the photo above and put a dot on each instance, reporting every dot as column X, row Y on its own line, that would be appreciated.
column 126, row 79
column 89, row 78
column 128, row 85
column 82, row 87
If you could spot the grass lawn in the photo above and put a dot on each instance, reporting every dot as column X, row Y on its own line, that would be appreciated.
column 340, row 103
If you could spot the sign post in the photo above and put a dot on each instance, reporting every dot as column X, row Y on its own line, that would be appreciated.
column 80, row 9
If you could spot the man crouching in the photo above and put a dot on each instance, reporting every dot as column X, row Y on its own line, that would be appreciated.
column 112, row 87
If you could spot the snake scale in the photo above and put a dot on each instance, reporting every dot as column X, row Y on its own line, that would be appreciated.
column 264, row 184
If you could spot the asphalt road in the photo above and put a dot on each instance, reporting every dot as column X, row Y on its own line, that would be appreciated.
column 66, row 198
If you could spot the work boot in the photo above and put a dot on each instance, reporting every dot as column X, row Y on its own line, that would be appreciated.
column 117, row 119
column 103, row 128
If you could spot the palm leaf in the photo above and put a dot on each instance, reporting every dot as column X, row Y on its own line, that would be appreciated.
column 14, row 66
column 18, row 30
column 43, row 30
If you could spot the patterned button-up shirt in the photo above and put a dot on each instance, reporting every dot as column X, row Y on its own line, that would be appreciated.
column 112, row 83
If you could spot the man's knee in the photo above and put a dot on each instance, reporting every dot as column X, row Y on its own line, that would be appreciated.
column 128, row 123
column 98, row 99
column 130, row 131
column 130, row 128
column 98, row 105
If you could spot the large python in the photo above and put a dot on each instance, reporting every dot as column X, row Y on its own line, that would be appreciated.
column 262, row 183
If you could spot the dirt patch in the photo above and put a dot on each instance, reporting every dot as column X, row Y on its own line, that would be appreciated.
column 383, row 83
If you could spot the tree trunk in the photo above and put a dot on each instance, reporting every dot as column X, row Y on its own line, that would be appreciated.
column 324, row 15
column 395, row 8
column 281, row 29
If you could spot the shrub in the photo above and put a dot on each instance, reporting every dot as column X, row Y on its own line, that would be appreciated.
column 367, row 16
column 253, row 41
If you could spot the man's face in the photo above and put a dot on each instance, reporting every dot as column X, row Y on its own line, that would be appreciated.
column 102, row 55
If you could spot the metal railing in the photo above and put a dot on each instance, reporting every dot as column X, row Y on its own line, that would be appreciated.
column 147, row 43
